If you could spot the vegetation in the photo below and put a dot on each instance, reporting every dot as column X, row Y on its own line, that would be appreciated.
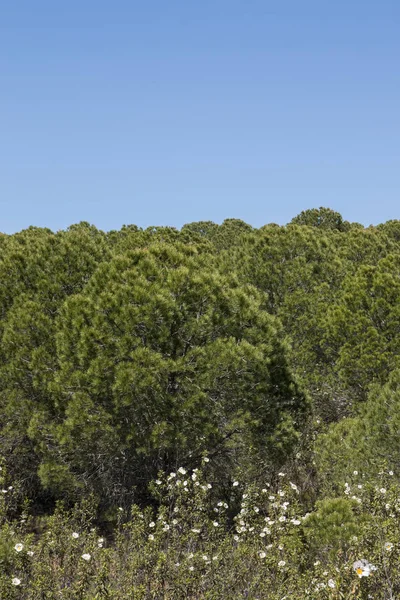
column 205, row 413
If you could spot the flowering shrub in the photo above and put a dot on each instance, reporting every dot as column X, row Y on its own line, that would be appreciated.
column 193, row 547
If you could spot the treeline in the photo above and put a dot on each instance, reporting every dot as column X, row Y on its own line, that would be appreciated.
column 131, row 351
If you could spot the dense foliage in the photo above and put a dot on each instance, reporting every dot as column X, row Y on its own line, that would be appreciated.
column 204, row 413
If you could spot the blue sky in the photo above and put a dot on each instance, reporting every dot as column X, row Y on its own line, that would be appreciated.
column 163, row 113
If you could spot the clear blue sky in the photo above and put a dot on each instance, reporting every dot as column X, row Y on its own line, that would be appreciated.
column 166, row 112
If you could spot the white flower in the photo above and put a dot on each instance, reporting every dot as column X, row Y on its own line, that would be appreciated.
column 236, row 538
column 388, row 546
column 75, row 535
column 194, row 476
column 30, row 553
column 282, row 518
column 281, row 563
column 209, row 486
column 382, row 491
column 152, row 524
column 355, row 472
column 15, row 581
column 166, row 527
column 262, row 554
column 191, row 568
column 205, row 557
column 296, row 522
column 182, row 471
column 281, row 474
column 206, row 459
column 195, row 530
column 120, row 508
column 390, row 473
column 363, row 568
column 262, row 534
column 281, row 493
column 151, row 537
column 158, row 482
column 19, row 547
column 256, row 509
column 216, row 524
column 271, row 498
column 235, row 483
column 86, row 557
